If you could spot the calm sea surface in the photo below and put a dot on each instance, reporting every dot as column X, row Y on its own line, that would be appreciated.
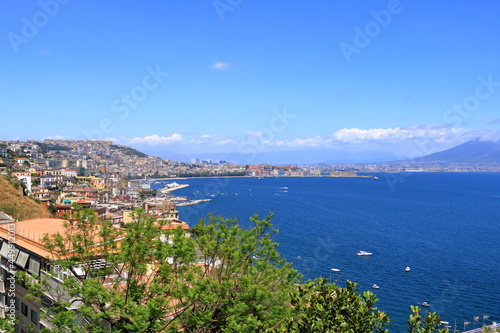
column 445, row 226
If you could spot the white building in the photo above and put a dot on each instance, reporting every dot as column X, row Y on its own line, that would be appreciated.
column 26, row 179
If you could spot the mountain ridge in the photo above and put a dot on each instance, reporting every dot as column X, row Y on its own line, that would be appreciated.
column 473, row 151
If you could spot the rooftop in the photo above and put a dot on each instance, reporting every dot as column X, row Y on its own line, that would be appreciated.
column 4, row 218
column 29, row 233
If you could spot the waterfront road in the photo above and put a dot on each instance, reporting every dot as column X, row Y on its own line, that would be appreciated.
column 479, row 330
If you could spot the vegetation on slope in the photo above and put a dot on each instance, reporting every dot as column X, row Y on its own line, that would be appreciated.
column 128, row 150
column 45, row 147
column 15, row 204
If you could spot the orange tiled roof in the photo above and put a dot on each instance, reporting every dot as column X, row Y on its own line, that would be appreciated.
column 175, row 224
column 29, row 233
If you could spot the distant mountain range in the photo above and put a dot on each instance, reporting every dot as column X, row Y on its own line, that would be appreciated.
column 311, row 156
column 474, row 151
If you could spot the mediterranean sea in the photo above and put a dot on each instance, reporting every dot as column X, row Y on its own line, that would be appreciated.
column 444, row 226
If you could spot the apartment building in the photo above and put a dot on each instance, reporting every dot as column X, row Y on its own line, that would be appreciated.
column 21, row 250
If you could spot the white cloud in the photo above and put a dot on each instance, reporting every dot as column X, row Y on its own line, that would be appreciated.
column 423, row 139
column 316, row 141
column 376, row 137
column 58, row 137
column 224, row 142
column 254, row 134
column 433, row 131
column 357, row 135
column 155, row 139
column 493, row 135
column 212, row 139
column 221, row 66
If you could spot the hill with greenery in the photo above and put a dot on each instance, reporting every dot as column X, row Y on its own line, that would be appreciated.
column 128, row 150
column 15, row 204
column 45, row 147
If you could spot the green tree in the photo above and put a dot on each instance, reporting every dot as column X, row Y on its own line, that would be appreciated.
column 431, row 323
column 35, row 180
column 225, row 278
column 7, row 324
column 324, row 307
column 52, row 209
column 487, row 329
column 244, row 285
column 120, row 276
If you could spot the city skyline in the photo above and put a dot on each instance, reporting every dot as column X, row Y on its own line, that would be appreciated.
column 360, row 81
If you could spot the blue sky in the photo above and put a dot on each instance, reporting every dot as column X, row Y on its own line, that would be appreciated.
column 371, row 78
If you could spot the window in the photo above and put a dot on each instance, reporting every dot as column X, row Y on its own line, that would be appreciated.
column 24, row 309
column 17, row 303
column 46, row 302
column 34, row 317
column 22, row 259
column 4, row 252
column 3, row 273
column 34, row 266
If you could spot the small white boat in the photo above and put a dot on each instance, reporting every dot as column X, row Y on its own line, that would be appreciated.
column 335, row 270
column 376, row 178
column 375, row 286
column 424, row 304
column 364, row 253
column 407, row 268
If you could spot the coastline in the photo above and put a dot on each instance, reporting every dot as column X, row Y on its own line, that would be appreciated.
column 363, row 175
column 215, row 176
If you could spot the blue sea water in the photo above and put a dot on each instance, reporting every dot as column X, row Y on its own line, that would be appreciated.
column 445, row 226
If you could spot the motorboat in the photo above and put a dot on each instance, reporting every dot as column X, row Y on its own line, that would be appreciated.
column 364, row 253
column 407, row 268
column 424, row 304
column 335, row 270
column 375, row 286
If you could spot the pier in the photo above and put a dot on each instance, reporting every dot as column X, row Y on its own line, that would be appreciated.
column 192, row 202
